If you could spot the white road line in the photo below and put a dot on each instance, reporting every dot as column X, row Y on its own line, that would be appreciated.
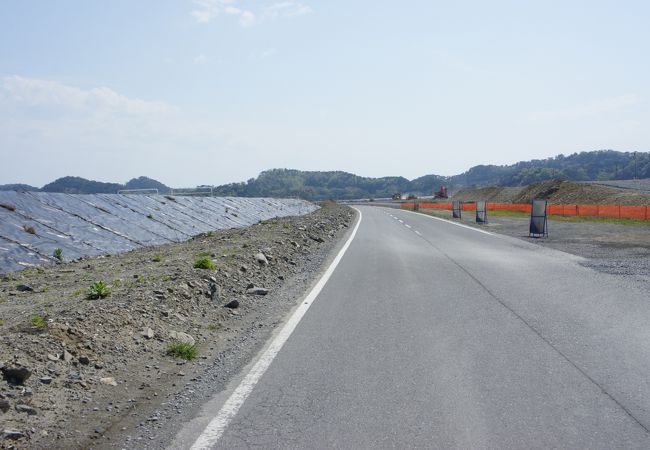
column 407, row 225
column 400, row 221
column 449, row 221
column 418, row 233
column 218, row 424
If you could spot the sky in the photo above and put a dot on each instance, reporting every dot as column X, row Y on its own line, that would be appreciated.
column 194, row 92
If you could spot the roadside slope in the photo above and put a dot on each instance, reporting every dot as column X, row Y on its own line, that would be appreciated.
column 99, row 368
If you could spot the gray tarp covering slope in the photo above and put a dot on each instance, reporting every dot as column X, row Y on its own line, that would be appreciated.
column 34, row 224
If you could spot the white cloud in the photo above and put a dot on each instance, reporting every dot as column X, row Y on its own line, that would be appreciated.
column 596, row 108
column 247, row 19
column 200, row 59
column 207, row 10
column 270, row 52
column 48, row 95
column 288, row 8
column 50, row 129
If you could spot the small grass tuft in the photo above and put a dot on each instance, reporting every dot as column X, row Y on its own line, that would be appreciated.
column 215, row 326
column 183, row 350
column 2, row 322
column 39, row 322
column 76, row 292
column 204, row 263
column 98, row 290
column 58, row 254
column 157, row 258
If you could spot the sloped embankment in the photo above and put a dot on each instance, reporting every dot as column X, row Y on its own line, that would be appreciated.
column 33, row 225
column 78, row 371
column 557, row 192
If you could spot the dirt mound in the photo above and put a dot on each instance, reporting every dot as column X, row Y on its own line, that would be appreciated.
column 494, row 194
column 558, row 192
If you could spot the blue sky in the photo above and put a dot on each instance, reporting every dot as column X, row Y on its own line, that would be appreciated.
column 213, row 91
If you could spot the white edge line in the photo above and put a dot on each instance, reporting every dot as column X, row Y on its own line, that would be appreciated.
column 449, row 221
column 215, row 429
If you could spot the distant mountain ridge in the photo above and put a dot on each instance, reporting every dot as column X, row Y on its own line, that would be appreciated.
column 78, row 185
column 601, row 165
column 597, row 165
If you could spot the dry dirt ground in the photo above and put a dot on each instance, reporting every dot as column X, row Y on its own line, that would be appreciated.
column 560, row 192
column 96, row 373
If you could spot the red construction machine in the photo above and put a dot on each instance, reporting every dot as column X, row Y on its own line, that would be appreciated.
column 442, row 193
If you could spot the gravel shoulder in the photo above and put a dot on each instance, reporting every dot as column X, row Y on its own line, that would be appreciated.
column 98, row 371
column 614, row 248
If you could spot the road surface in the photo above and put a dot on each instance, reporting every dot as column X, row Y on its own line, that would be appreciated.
column 433, row 335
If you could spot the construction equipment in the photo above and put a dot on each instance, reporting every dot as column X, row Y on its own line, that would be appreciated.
column 442, row 193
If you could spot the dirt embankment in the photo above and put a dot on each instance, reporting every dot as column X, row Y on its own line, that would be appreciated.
column 78, row 371
column 558, row 192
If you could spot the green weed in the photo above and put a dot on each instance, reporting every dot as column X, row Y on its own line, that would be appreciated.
column 58, row 254
column 98, row 290
column 182, row 350
column 204, row 263
column 39, row 322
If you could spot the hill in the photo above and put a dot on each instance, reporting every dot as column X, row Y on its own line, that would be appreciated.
column 597, row 165
column 601, row 165
column 314, row 185
column 558, row 192
column 78, row 185
column 18, row 187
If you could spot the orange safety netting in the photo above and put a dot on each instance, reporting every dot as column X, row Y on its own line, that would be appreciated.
column 610, row 211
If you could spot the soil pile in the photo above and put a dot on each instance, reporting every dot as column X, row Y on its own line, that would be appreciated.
column 558, row 192
column 95, row 345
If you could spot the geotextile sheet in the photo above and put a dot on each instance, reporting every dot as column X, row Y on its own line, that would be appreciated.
column 34, row 224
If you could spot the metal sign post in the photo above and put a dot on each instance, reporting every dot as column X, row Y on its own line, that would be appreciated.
column 538, row 219
column 456, row 208
column 481, row 212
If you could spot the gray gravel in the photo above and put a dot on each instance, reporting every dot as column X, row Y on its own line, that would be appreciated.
column 607, row 247
column 642, row 184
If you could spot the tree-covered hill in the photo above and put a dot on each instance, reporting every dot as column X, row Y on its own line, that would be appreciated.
column 18, row 187
column 597, row 165
column 78, row 185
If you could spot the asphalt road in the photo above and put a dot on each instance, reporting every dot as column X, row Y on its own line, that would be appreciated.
column 432, row 335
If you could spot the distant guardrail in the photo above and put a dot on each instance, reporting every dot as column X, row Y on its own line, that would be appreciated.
column 194, row 192
column 641, row 212
column 152, row 191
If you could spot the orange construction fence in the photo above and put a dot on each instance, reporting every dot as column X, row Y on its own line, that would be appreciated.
column 610, row 211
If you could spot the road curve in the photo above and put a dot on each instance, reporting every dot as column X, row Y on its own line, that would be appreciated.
column 432, row 335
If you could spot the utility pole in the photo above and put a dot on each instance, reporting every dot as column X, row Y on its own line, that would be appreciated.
column 635, row 165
